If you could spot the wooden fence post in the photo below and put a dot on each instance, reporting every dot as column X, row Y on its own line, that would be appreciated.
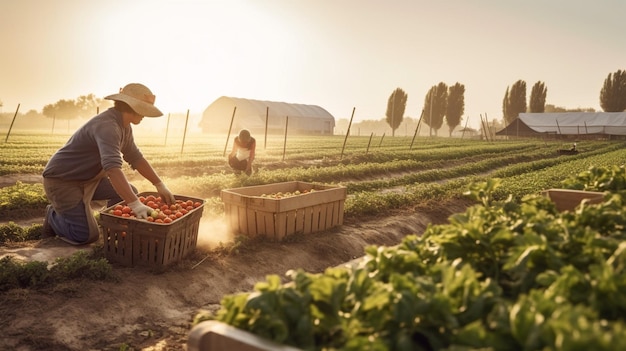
column 230, row 129
column 184, row 133
column 285, row 142
column 13, row 121
column 347, row 133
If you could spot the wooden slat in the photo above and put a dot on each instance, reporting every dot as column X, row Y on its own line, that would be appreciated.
column 315, row 219
column 308, row 220
column 568, row 200
column 299, row 222
column 281, row 226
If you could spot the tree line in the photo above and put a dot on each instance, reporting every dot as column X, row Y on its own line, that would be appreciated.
column 82, row 107
column 447, row 103
column 442, row 103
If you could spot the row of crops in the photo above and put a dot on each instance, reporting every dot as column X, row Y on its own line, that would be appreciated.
column 397, row 173
column 511, row 273
column 504, row 275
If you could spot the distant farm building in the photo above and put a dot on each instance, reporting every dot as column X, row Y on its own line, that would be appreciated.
column 607, row 125
column 255, row 115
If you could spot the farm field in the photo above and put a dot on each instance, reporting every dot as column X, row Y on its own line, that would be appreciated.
column 396, row 187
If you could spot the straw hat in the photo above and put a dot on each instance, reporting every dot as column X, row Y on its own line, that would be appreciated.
column 139, row 98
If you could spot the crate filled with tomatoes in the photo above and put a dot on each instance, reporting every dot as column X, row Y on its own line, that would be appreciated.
column 167, row 235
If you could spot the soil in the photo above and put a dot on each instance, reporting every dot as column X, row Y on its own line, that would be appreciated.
column 143, row 309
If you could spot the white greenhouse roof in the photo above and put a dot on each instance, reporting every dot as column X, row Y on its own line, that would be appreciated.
column 610, row 123
column 281, row 109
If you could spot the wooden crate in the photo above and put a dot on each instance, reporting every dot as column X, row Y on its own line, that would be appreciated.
column 568, row 200
column 248, row 213
column 131, row 242
column 217, row 336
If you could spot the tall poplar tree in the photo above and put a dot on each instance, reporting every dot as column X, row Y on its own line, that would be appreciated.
column 514, row 101
column 538, row 98
column 435, row 105
column 613, row 93
column 396, row 105
column 505, row 104
column 455, row 106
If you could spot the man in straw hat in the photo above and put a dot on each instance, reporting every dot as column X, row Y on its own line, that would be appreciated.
column 89, row 167
column 242, row 154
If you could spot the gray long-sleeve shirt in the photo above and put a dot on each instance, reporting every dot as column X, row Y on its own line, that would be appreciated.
column 99, row 144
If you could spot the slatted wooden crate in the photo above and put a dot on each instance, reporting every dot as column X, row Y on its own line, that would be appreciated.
column 568, row 200
column 248, row 212
column 131, row 242
column 218, row 336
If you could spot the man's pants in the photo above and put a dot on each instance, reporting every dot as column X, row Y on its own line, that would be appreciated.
column 72, row 224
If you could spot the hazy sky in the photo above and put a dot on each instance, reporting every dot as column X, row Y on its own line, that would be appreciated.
column 337, row 54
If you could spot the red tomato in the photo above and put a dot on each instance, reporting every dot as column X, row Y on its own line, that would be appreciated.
column 118, row 207
column 178, row 214
column 197, row 204
column 117, row 212
column 150, row 198
column 150, row 219
column 158, row 220
column 167, row 220
column 126, row 209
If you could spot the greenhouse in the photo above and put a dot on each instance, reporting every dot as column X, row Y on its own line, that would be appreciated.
column 580, row 124
column 259, row 115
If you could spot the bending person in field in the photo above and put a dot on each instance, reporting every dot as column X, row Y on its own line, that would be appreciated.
column 89, row 167
column 242, row 155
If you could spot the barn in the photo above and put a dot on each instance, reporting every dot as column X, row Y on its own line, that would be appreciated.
column 570, row 124
column 255, row 115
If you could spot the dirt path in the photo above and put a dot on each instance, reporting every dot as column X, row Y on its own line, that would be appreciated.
column 150, row 311
column 144, row 310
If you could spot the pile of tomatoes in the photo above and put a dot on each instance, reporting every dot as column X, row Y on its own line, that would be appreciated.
column 161, row 211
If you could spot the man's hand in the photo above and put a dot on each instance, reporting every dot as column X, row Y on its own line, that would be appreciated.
column 165, row 193
column 140, row 210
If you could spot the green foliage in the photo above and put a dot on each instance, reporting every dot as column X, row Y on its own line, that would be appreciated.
column 81, row 266
column 613, row 93
column 396, row 105
column 435, row 105
column 538, row 98
column 514, row 101
column 455, row 106
column 84, row 106
column 12, row 232
column 21, row 197
column 597, row 178
column 15, row 274
column 503, row 275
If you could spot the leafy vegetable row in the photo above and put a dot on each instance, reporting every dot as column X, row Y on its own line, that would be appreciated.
column 504, row 275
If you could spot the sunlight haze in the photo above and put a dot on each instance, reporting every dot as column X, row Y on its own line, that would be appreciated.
column 337, row 54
